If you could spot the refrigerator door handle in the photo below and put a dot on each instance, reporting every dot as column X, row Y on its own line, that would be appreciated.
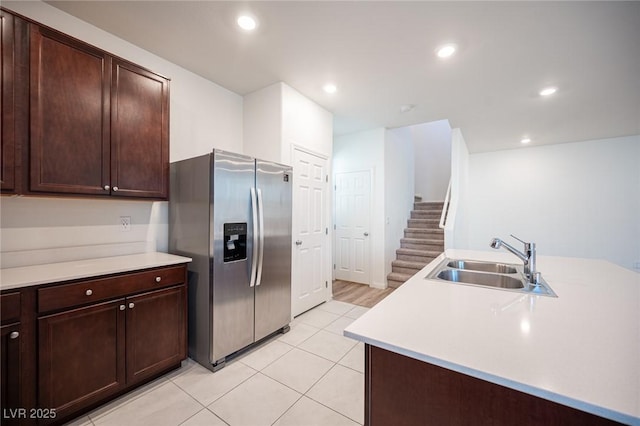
column 261, row 233
column 254, row 257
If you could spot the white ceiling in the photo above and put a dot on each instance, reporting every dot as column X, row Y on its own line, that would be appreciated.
column 381, row 56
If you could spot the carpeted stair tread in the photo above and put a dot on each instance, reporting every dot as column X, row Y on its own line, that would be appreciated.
column 425, row 215
column 429, row 241
column 418, row 252
column 428, row 205
column 397, row 276
column 409, row 264
column 433, row 233
column 438, row 230
column 424, row 220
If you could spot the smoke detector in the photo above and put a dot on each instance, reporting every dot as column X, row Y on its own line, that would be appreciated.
column 407, row 108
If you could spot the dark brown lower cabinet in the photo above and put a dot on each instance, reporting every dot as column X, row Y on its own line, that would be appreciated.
column 11, row 360
column 403, row 391
column 91, row 353
column 81, row 356
column 156, row 332
column 10, row 369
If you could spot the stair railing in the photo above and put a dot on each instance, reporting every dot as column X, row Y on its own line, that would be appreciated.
column 445, row 207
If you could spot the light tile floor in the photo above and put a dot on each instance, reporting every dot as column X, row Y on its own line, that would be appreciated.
column 311, row 376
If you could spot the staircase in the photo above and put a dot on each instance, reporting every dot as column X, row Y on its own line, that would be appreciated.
column 423, row 241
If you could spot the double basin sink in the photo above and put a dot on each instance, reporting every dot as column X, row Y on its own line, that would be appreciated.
column 501, row 276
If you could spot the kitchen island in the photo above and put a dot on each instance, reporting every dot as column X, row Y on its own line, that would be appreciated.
column 576, row 356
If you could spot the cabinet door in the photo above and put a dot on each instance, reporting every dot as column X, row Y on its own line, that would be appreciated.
column 81, row 356
column 139, row 132
column 10, row 368
column 156, row 332
column 69, row 115
column 7, row 129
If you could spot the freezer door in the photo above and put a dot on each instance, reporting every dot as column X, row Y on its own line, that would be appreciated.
column 232, row 225
column 273, row 280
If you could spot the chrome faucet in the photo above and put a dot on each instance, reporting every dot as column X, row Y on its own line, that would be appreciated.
column 528, row 257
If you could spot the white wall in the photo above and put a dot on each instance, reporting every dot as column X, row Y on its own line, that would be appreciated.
column 262, row 123
column 278, row 117
column 305, row 124
column 575, row 199
column 399, row 189
column 456, row 231
column 365, row 151
column 432, row 146
column 203, row 115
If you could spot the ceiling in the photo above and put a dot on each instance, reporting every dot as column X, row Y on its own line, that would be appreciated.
column 381, row 56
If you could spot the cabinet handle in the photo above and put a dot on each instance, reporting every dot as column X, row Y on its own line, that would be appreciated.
column 158, row 279
column 107, row 187
column 88, row 292
column 115, row 188
column 122, row 307
column 14, row 335
column 131, row 305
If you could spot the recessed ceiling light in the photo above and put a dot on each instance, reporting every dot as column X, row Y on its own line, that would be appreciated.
column 247, row 22
column 525, row 140
column 548, row 91
column 446, row 51
column 330, row 88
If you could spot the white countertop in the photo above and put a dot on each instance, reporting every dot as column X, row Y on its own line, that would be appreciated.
column 581, row 349
column 12, row 278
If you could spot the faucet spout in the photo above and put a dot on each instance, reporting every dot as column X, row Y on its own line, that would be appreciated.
column 528, row 257
column 496, row 243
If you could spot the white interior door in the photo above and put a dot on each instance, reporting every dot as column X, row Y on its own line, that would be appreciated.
column 310, row 286
column 352, row 219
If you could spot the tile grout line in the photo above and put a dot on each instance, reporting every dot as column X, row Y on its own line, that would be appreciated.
column 315, row 400
column 335, row 363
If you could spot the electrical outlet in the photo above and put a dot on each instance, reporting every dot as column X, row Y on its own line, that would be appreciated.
column 125, row 223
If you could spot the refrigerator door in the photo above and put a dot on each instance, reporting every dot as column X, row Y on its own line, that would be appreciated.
column 273, row 281
column 232, row 251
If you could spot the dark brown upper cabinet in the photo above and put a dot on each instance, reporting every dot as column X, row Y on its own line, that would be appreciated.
column 95, row 124
column 7, row 175
column 70, row 85
column 13, row 33
column 139, row 132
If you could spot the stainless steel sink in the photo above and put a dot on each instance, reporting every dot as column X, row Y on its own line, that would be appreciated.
column 489, row 280
column 500, row 268
column 502, row 276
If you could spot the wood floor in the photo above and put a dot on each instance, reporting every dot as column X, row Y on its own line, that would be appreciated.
column 358, row 294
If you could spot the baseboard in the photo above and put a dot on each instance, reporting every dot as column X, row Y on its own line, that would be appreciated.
column 378, row 285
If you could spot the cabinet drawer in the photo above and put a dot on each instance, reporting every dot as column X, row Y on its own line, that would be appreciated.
column 68, row 295
column 10, row 307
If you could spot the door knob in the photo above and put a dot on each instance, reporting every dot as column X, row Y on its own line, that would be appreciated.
column 14, row 335
column 366, row 234
column 299, row 242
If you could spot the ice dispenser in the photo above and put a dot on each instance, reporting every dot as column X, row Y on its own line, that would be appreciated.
column 235, row 241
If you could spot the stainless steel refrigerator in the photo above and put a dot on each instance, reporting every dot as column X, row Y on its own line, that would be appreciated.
column 232, row 215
